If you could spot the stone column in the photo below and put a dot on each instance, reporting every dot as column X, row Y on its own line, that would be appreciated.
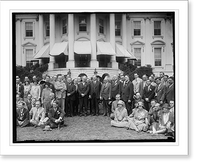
column 52, row 40
column 18, row 43
column 112, row 39
column 70, row 63
column 41, row 33
column 93, row 39
column 124, row 32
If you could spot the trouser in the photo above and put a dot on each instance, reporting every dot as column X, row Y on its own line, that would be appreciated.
column 83, row 101
column 69, row 107
column 128, row 107
column 105, row 106
column 94, row 105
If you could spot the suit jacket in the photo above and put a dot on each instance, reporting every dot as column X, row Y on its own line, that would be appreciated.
column 95, row 89
column 149, row 93
column 53, row 115
column 83, row 89
column 20, row 89
column 160, row 92
column 142, row 86
column 49, row 105
column 71, row 88
column 22, row 115
column 105, row 92
column 127, row 91
column 115, row 89
column 28, row 104
column 169, row 93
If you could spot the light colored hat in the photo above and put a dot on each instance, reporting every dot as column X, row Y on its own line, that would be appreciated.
column 120, row 102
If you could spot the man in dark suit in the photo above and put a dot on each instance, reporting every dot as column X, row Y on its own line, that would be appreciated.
column 148, row 95
column 159, row 91
column 70, row 97
column 94, row 95
column 19, row 88
column 127, row 93
column 83, row 89
column 28, row 102
column 169, row 93
column 105, row 95
column 143, row 84
column 22, row 115
column 56, row 116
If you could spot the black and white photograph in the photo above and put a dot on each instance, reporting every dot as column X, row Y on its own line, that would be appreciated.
column 94, row 77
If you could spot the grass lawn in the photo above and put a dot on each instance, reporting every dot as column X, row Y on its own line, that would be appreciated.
column 84, row 128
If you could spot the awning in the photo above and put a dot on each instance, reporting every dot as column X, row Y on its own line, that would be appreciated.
column 43, row 52
column 122, row 52
column 82, row 47
column 59, row 48
column 105, row 48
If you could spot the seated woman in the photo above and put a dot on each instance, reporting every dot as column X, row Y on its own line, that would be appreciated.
column 120, row 116
column 22, row 115
column 138, row 120
column 164, row 121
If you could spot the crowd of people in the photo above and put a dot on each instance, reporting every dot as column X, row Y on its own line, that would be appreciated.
column 144, row 104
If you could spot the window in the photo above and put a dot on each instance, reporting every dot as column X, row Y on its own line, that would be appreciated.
column 157, row 56
column 29, row 57
column 157, row 27
column 82, row 23
column 29, row 29
column 64, row 26
column 137, row 54
column 101, row 26
column 137, row 28
column 118, row 28
column 47, row 29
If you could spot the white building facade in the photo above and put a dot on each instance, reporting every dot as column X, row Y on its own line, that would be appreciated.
column 95, row 42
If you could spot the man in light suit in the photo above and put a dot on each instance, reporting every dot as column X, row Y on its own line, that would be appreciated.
column 136, row 84
column 105, row 95
column 127, row 93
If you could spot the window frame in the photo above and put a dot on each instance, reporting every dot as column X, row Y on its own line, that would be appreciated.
column 24, row 28
column 141, row 20
column 82, row 23
column 161, row 59
column 162, row 27
column 47, row 23
column 64, row 26
column 136, row 61
column 120, row 29
column 103, row 26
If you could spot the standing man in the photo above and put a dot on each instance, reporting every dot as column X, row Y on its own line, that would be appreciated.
column 159, row 91
column 94, row 95
column 127, row 93
column 149, row 92
column 70, row 97
column 169, row 94
column 105, row 95
column 19, row 88
column 136, row 84
column 45, row 98
column 60, row 89
column 143, row 84
column 83, row 89
column 115, row 88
